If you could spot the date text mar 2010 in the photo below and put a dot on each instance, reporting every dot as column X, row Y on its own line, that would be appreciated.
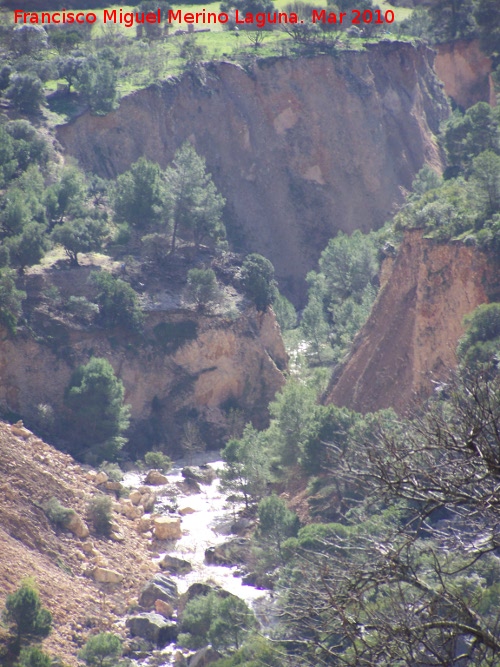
column 259, row 19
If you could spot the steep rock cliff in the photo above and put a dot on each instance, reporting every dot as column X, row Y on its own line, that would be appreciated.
column 300, row 148
column 408, row 343
column 465, row 72
column 185, row 365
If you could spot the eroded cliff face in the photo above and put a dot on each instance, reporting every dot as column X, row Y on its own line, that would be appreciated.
column 465, row 72
column 408, row 343
column 185, row 365
column 300, row 148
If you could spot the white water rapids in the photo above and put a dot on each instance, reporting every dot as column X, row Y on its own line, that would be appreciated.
column 208, row 526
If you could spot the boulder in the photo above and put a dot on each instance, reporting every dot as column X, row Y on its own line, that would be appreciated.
column 202, row 474
column 113, row 486
column 105, row 576
column 100, row 478
column 77, row 526
column 175, row 565
column 131, row 511
column 163, row 608
column 160, row 587
column 116, row 535
column 232, row 552
column 167, row 528
column 188, row 486
column 155, row 478
column 153, row 627
column 242, row 525
column 186, row 510
column 204, row 657
column 135, row 497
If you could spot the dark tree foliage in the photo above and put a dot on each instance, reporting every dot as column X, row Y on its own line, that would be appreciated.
column 411, row 577
column 80, row 235
column 97, row 416
column 452, row 19
column 26, row 93
column 487, row 15
column 139, row 195
column 118, row 302
column 257, row 275
column 24, row 611
column 10, row 300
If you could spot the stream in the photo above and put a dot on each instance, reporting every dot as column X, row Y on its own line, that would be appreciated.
column 207, row 526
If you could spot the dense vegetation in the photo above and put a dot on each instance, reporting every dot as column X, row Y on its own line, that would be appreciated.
column 399, row 566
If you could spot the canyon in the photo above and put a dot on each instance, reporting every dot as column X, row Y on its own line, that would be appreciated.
column 300, row 147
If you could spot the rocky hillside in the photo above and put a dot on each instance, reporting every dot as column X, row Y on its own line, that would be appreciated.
column 408, row 344
column 67, row 564
column 300, row 148
column 187, row 364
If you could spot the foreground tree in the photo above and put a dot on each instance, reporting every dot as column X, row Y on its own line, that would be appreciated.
column 26, row 615
column 411, row 577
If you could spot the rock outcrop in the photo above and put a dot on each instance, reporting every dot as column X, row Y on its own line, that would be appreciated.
column 300, row 148
column 167, row 528
column 153, row 627
column 465, row 72
column 220, row 361
column 408, row 343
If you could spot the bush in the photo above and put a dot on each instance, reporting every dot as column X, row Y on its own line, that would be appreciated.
column 112, row 470
column 57, row 513
column 34, row 657
column 223, row 622
column 82, row 308
column 202, row 286
column 158, row 460
column 26, row 93
column 101, row 650
column 99, row 512
column 10, row 300
column 118, row 302
column 257, row 274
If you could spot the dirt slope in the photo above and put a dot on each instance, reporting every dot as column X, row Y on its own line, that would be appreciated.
column 31, row 472
column 408, row 343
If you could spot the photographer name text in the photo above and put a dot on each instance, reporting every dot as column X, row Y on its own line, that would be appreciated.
column 203, row 17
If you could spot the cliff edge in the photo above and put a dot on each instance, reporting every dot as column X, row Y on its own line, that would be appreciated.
column 408, row 343
column 300, row 148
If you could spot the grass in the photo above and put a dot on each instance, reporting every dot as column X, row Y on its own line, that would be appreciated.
column 144, row 62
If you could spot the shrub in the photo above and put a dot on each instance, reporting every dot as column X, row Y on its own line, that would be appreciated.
column 34, row 657
column 101, row 650
column 99, row 513
column 158, row 460
column 257, row 274
column 118, row 302
column 223, row 622
column 26, row 93
column 57, row 513
column 82, row 308
column 202, row 286
column 112, row 470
